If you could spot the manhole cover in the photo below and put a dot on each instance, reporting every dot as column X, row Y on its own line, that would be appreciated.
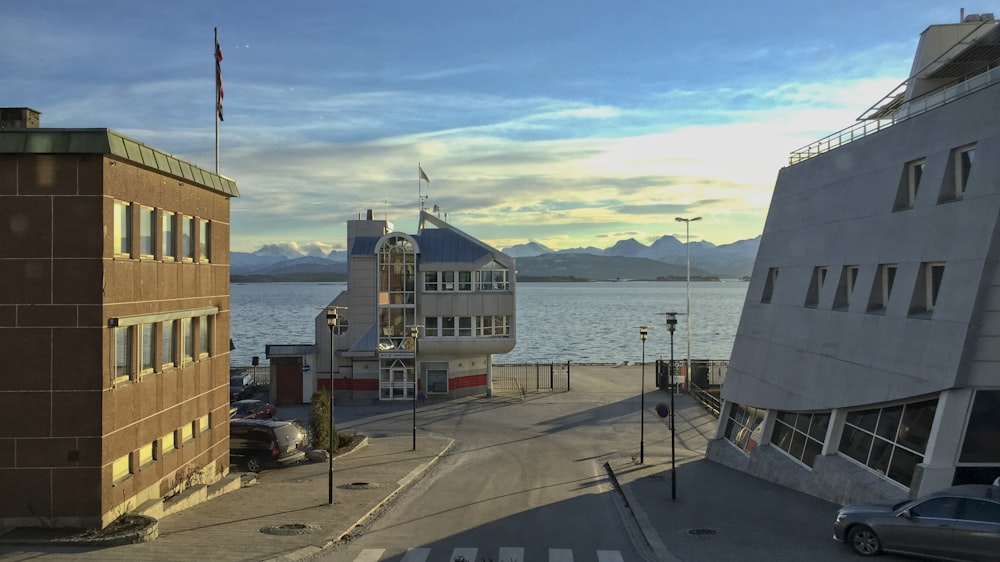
column 702, row 532
column 360, row 486
column 290, row 529
column 655, row 477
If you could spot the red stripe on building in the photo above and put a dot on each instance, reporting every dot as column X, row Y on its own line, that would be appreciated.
column 467, row 381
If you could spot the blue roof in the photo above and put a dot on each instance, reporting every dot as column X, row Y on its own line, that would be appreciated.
column 442, row 245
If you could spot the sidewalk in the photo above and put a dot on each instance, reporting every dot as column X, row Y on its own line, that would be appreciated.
column 285, row 516
column 719, row 513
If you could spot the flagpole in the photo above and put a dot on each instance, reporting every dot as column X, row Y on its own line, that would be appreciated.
column 215, row 110
column 420, row 185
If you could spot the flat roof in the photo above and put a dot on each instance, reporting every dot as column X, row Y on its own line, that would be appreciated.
column 106, row 141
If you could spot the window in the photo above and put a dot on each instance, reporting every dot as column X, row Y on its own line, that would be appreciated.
column 983, row 430
column 169, row 236
column 431, row 327
column 124, row 367
column 963, row 166
column 146, row 349
column 447, row 280
column 147, row 232
column 493, row 277
column 187, row 238
column 957, row 174
column 885, row 275
column 908, row 185
column 204, row 241
column 203, row 336
column 464, row 280
column 187, row 432
column 146, row 454
column 800, row 435
column 168, row 353
column 743, row 426
column 772, row 276
column 447, row 326
column 168, row 442
column 203, row 425
column 123, row 229
column 121, row 468
column 187, row 339
column 925, row 295
column 465, row 326
column 431, row 281
column 437, row 381
column 815, row 286
column 848, row 278
column 485, row 327
column 891, row 440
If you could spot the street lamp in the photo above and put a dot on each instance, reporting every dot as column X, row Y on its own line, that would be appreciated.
column 687, row 244
column 671, row 326
column 643, row 331
column 415, row 335
column 331, row 320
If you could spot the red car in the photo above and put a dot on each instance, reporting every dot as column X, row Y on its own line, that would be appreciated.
column 252, row 409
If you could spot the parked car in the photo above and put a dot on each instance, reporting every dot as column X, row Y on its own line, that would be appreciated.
column 255, row 444
column 957, row 523
column 255, row 409
column 240, row 386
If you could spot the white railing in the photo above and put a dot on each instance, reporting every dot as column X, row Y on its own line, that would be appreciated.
column 909, row 109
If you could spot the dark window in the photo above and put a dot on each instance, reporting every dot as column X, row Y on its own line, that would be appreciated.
column 982, row 434
column 939, row 508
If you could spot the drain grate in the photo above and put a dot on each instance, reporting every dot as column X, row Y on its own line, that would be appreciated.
column 290, row 529
column 702, row 532
column 360, row 486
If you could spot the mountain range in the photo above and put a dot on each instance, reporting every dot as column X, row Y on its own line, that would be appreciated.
column 665, row 258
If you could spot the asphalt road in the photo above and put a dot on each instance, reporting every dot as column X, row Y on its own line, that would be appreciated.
column 525, row 479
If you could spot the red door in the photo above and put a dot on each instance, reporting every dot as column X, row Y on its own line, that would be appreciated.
column 289, row 387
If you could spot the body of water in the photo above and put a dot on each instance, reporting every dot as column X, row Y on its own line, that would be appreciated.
column 556, row 322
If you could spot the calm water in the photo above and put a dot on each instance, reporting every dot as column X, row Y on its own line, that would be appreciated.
column 580, row 322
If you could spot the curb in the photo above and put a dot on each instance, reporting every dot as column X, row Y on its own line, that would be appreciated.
column 645, row 525
column 309, row 551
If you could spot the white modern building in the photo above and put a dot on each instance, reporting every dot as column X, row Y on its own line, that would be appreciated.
column 453, row 292
column 867, row 359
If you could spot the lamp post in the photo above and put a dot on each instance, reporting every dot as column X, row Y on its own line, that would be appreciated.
column 687, row 244
column 415, row 335
column 331, row 320
column 671, row 326
column 643, row 331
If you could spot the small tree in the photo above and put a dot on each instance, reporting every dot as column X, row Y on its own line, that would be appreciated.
column 319, row 422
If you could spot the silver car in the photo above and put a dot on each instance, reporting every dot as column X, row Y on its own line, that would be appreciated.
column 958, row 523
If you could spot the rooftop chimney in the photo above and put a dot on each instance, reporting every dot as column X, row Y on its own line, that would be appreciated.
column 18, row 118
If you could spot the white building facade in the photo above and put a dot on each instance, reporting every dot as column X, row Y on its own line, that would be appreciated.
column 867, row 360
column 453, row 292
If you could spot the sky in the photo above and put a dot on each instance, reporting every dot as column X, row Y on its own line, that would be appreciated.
column 568, row 123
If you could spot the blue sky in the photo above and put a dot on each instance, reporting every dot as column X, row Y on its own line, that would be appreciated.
column 571, row 123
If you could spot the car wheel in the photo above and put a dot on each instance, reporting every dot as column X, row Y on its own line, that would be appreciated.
column 864, row 541
column 253, row 464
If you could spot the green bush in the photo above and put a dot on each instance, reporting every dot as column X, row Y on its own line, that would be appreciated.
column 319, row 422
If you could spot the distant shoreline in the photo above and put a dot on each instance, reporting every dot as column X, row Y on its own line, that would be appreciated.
column 342, row 278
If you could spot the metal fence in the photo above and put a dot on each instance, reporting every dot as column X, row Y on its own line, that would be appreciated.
column 261, row 373
column 522, row 378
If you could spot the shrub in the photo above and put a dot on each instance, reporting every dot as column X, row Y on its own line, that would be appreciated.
column 319, row 422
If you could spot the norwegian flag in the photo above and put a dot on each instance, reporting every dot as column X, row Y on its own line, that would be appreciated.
column 219, row 93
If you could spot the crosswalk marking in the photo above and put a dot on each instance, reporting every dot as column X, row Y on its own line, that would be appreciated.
column 416, row 555
column 560, row 555
column 511, row 554
column 370, row 555
column 609, row 556
column 467, row 554
column 507, row 554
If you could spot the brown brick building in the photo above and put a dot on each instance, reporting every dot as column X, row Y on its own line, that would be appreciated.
column 114, row 324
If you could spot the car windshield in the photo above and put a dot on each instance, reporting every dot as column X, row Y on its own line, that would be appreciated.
column 246, row 407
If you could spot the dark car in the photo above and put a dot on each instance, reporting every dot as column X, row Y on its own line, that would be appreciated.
column 254, row 409
column 240, row 386
column 255, row 444
column 957, row 523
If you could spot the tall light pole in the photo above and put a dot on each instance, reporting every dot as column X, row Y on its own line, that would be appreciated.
column 643, row 331
column 671, row 325
column 331, row 320
column 415, row 336
column 687, row 244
